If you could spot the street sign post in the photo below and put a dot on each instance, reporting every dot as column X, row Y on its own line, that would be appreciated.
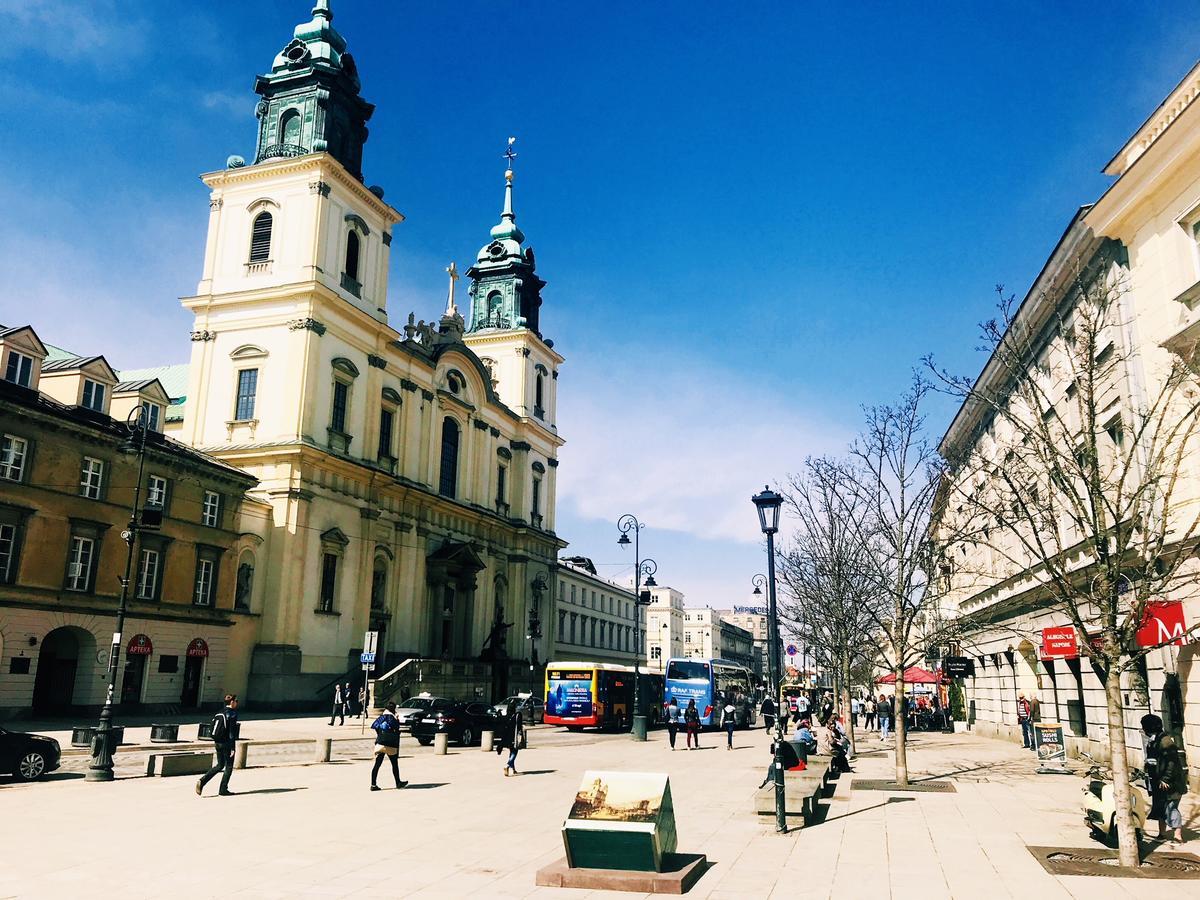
column 791, row 650
column 367, row 658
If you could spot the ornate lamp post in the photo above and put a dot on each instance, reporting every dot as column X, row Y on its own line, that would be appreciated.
column 760, row 582
column 768, row 504
column 539, row 585
column 101, row 767
column 648, row 568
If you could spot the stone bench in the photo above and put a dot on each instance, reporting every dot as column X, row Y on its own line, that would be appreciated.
column 179, row 762
column 801, row 790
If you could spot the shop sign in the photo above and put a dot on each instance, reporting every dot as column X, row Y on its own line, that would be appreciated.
column 198, row 647
column 1051, row 749
column 1059, row 643
column 1162, row 623
column 140, row 645
column 959, row 667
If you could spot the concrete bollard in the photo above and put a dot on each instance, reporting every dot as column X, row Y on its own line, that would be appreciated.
column 485, row 741
column 440, row 741
column 239, row 754
column 324, row 749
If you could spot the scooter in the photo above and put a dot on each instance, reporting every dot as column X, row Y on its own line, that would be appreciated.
column 1100, row 803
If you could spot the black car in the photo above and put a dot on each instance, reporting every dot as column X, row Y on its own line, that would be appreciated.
column 419, row 707
column 463, row 722
column 27, row 756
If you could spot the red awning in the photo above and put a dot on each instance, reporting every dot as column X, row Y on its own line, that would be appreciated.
column 913, row 675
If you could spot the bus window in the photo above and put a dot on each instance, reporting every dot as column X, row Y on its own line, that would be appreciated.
column 685, row 670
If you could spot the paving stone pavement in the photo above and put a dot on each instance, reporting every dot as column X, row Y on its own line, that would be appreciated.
column 463, row 830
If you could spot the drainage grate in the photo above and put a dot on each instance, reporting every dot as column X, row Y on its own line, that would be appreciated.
column 1104, row 863
column 921, row 787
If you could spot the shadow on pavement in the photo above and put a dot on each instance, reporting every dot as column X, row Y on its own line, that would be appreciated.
column 822, row 814
column 426, row 787
column 537, row 771
column 7, row 781
column 286, row 790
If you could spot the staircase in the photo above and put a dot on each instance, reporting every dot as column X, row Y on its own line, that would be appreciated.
column 390, row 685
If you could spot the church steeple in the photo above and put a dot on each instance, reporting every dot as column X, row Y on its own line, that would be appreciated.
column 505, row 290
column 311, row 101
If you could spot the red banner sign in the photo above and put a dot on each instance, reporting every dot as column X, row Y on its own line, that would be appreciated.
column 140, row 645
column 1059, row 643
column 198, row 647
column 1163, row 624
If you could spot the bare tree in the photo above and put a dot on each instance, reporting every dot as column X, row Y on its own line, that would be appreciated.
column 829, row 601
column 1075, row 482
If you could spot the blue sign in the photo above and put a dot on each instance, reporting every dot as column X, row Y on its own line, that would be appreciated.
column 791, row 650
column 366, row 658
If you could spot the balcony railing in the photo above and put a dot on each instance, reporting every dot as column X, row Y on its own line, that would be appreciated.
column 351, row 285
column 281, row 151
column 259, row 268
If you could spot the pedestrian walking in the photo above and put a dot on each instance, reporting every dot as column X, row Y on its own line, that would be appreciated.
column 387, row 744
column 869, row 713
column 510, row 738
column 224, row 738
column 855, row 709
column 1025, row 720
column 768, row 713
column 347, row 702
column 362, row 701
column 1166, row 778
column 691, row 721
column 730, row 722
column 883, row 709
column 339, row 706
column 673, row 719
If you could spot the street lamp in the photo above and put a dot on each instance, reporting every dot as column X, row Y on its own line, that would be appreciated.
column 648, row 568
column 101, row 766
column 768, row 504
column 540, row 585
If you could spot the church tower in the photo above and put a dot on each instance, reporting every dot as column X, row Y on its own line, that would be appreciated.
column 506, row 302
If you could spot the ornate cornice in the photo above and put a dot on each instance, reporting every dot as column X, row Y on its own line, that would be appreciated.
column 203, row 336
column 408, row 385
column 494, row 432
column 520, row 446
column 215, row 202
column 480, row 424
column 428, row 395
column 377, row 362
column 552, row 463
column 387, row 239
column 306, row 324
column 319, row 187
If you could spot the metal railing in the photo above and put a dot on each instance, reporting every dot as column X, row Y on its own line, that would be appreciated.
column 281, row 151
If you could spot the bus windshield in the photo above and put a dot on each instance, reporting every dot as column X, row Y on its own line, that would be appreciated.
column 684, row 670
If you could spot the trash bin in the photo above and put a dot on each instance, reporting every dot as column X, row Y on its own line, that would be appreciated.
column 205, row 731
column 164, row 734
column 81, row 735
column 118, row 734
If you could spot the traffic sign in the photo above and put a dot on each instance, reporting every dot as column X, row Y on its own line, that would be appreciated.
column 791, row 650
column 371, row 643
column 366, row 658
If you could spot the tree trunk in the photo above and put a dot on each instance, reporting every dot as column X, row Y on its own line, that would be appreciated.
column 846, row 708
column 901, row 723
column 1122, row 793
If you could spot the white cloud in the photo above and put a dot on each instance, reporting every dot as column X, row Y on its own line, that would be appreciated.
column 682, row 444
column 98, row 31
column 227, row 102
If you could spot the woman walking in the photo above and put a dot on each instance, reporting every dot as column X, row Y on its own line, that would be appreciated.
column 869, row 714
column 691, row 720
column 510, row 738
column 387, row 743
column 673, row 718
column 730, row 717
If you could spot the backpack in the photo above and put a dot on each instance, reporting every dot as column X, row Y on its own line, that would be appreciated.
column 220, row 728
column 387, row 730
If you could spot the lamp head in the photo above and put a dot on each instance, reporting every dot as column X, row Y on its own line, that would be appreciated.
column 650, row 582
column 623, row 540
column 768, row 504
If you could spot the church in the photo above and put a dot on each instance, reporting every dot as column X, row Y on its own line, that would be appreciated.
column 406, row 472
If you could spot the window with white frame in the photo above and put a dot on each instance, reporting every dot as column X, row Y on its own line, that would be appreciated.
column 19, row 369
column 80, row 561
column 156, row 491
column 8, row 552
column 153, row 416
column 206, row 570
column 91, row 478
column 13, row 451
column 147, row 574
column 210, row 513
column 93, row 395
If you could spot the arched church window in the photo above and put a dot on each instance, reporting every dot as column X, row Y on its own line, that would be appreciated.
column 289, row 128
column 448, row 485
column 260, row 237
column 352, row 249
column 539, row 390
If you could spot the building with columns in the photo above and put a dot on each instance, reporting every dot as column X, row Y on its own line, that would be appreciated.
column 594, row 618
column 409, row 470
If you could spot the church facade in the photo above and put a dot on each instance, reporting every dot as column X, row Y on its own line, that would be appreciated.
column 409, row 471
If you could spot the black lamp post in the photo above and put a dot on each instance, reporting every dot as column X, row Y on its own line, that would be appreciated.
column 647, row 567
column 768, row 503
column 539, row 585
column 101, row 766
column 760, row 582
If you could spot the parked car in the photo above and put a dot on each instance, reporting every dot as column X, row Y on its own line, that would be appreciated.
column 533, row 709
column 418, row 707
column 462, row 722
column 28, row 756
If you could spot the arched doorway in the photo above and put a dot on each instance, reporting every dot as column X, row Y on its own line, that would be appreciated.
column 64, row 660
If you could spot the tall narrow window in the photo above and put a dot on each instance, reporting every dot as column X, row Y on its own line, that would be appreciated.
column 539, row 406
column 153, row 414
column 289, row 128
column 386, row 421
column 448, row 485
column 379, row 584
column 352, row 247
column 147, row 577
column 93, row 395
column 247, row 393
column 329, row 566
column 8, row 553
column 501, row 485
column 79, row 563
column 91, row 477
column 156, row 491
column 341, row 401
column 205, row 571
column 260, row 238
column 19, row 369
column 536, row 515
column 12, row 457
column 210, row 512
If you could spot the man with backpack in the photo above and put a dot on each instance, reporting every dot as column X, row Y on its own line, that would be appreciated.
column 387, row 743
column 224, row 738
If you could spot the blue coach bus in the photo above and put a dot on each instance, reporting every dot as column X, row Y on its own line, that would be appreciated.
column 710, row 682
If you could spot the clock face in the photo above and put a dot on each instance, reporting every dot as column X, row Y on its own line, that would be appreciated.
column 497, row 249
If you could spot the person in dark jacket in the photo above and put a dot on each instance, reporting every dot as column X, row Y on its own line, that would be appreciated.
column 387, row 744
column 768, row 713
column 884, row 710
column 224, row 738
column 691, row 721
column 1166, row 777
column 510, row 737
column 674, row 717
column 339, row 706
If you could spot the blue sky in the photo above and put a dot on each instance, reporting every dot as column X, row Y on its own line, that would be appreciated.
column 753, row 218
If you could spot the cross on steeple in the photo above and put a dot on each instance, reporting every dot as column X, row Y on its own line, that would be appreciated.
column 509, row 153
column 451, row 308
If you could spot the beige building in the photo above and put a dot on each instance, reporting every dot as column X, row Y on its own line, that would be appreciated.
column 1143, row 232
column 594, row 617
column 754, row 620
column 664, row 628
column 67, row 484
column 410, row 470
column 707, row 635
